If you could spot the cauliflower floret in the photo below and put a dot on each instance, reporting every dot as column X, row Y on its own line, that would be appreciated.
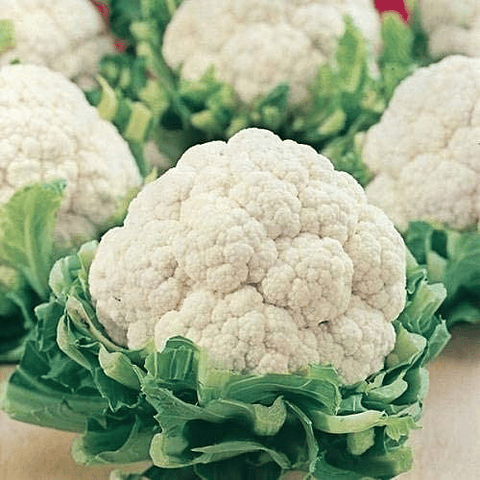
column 68, row 36
column 425, row 151
column 255, row 45
column 259, row 251
column 312, row 276
column 452, row 27
column 240, row 329
column 48, row 130
column 357, row 341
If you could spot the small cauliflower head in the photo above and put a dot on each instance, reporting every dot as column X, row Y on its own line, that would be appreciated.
column 68, row 36
column 49, row 131
column 453, row 27
column 259, row 251
column 255, row 45
column 425, row 151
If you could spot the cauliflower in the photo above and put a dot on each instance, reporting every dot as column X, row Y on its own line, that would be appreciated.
column 255, row 45
column 48, row 130
column 425, row 151
column 259, row 251
column 68, row 36
column 452, row 27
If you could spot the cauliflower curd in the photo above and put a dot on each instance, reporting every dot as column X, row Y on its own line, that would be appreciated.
column 255, row 45
column 68, row 36
column 425, row 151
column 452, row 27
column 49, row 131
column 259, row 251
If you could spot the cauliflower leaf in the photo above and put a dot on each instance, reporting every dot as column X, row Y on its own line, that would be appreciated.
column 27, row 252
column 453, row 258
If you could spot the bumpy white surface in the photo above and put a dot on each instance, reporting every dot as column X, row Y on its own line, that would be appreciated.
column 48, row 130
column 258, row 250
column 425, row 151
column 256, row 44
column 453, row 27
column 68, row 36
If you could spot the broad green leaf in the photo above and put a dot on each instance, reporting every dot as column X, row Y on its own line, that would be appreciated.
column 408, row 348
column 451, row 257
column 118, row 366
column 31, row 398
column 351, row 58
column 398, row 427
column 353, row 423
column 359, row 442
column 27, row 223
column 126, row 440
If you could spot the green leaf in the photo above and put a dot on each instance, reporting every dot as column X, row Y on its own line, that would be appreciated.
column 7, row 35
column 118, row 366
column 420, row 49
column 345, row 154
column 27, row 252
column 27, row 223
column 353, row 423
column 359, row 442
column 319, row 386
column 133, row 119
column 451, row 257
column 124, row 440
column 322, row 470
column 175, row 367
column 408, row 349
column 311, row 441
column 351, row 58
column 397, row 40
column 370, row 465
column 212, row 453
column 419, row 312
column 225, row 450
column 32, row 397
column 398, row 427
column 388, row 393
column 401, row 54
column 156, row 473
column 174, row 413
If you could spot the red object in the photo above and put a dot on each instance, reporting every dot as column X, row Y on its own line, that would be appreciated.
column 396, row 5
column 102, row 9
column 119, row 45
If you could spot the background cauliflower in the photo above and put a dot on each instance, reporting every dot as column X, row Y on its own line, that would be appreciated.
column 48, row 130
column 255, row 45
column 260, row 251
column 452, row 27
column 425, row 152
column 68, row 36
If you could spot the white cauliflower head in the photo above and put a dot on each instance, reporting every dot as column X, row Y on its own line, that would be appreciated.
column 453, row 27
column 425, row 151
column 48, row 130
column 68, row 36
column 255, row 45
column 258, row 250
